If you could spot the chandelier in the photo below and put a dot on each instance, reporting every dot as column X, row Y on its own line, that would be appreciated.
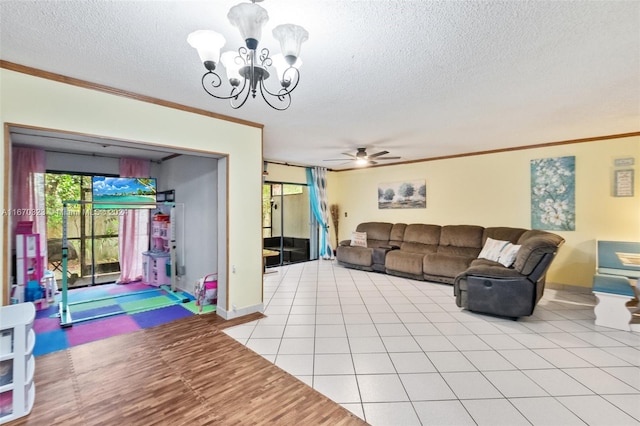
column 246, row 69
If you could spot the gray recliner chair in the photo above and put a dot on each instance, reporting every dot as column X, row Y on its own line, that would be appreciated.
column 489, row 287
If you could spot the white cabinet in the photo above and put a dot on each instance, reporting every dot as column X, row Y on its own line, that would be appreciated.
column 17, row 363
column 156, row 268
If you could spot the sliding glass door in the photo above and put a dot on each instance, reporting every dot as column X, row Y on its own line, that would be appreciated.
column 286, row 219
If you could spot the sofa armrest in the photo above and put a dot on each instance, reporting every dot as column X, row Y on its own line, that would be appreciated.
column 534, row 249
column 492, row 272
column 344, row 243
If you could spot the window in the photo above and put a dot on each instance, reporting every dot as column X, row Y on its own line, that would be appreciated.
column 89, row 235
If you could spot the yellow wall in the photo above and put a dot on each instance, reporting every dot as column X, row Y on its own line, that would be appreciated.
column 32, row 101
column 286, row 174
column 494, row 190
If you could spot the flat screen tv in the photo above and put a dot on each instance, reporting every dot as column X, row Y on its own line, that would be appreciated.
column 123, row 192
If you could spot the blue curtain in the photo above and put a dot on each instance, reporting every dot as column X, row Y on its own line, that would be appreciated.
column 317, row 181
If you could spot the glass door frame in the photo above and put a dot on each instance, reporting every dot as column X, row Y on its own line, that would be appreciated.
column 272, row 203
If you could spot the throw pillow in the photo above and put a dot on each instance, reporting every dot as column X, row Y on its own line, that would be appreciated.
column 491, row 249
column 508, row 254
column 359, row 239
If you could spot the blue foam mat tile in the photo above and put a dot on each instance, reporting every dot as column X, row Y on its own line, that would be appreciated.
column 77, row 314
column 160, row 316
column 50, row 341
column 47, row 313
column 87, row 294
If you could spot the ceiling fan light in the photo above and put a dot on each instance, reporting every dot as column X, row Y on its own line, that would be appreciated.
column 291, row 38
column 208, row 44
column 249, row 18
column 361, row 161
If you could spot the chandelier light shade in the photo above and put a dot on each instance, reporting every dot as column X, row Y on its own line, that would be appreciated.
column 246, row 69
column 291, row 38
column 249, row 18
column 283, row 67
column 208, row 45
column 232, row 65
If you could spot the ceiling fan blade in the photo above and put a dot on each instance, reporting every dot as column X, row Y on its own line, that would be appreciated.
column 351, row 156
column 371, row 162
column 388, row 158
column 378, row 154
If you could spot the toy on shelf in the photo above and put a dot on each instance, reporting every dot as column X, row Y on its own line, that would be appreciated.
column 156, row 263
column 160, row 233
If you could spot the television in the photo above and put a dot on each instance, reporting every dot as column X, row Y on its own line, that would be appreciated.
column 123, row 192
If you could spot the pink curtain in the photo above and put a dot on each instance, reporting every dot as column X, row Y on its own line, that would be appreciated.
column 133, row 234
column 27, row 197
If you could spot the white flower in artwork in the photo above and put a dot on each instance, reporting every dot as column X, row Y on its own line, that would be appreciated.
column 558, row 218
column 561, row 205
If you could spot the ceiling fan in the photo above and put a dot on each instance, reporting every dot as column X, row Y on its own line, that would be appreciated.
column 361, row 157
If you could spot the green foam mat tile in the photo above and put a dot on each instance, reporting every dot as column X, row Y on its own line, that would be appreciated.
column 147, row 304
column 191, row 306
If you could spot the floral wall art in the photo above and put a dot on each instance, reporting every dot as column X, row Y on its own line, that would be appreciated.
column 410, row 194
column 553, row 194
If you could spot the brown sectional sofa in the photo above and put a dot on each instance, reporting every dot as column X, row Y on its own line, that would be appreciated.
column 449, row 254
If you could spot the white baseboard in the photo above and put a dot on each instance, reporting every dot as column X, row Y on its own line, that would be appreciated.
column 240, row 312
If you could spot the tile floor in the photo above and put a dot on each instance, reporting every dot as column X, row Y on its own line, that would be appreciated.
column 400, row 352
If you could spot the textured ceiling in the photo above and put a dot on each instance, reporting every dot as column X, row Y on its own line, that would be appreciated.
column 420, row 78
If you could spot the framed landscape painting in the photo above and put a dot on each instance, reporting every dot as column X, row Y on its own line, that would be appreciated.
column 553, row 188
column 410, row 194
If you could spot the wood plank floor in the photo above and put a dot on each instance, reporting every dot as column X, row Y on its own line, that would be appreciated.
column 184, row 372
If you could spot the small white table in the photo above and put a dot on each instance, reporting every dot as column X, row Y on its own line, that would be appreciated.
column 613, row 293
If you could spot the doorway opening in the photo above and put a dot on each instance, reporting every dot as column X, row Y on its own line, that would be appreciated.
column 198, row 176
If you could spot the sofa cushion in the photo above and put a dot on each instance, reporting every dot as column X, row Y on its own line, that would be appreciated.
column 358, row 239
column 375, row 230
column 464, row 236
column 445, row 265
column 405, row 262
column 397, row 234
column 377, row 233
column 503, row 233
column 490, row 269
column 534, row 245
column 360, row 256
column 420, row 238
